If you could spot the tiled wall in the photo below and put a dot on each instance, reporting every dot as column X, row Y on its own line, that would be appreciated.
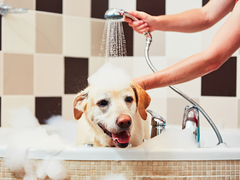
column 47, row 54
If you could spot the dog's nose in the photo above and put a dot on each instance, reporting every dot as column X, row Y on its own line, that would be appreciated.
column 124, row 121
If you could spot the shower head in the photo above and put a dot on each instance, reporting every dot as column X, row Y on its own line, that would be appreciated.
column 116, row 14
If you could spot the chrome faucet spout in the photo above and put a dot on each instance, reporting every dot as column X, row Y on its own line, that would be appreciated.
column 158, row 124
column 191, row 121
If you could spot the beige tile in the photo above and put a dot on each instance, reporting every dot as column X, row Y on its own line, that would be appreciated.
column 77, row 36
column 77, row 8
column 238, row 114
column 222, row 111
column 49, row 75
column 157, row 47
column 175, row 110
column 67, row 106
column 18, row 33
column 18, row 74
column 97, row 29
column 159, row 105
column 12, row 102
column 48, row 33
column 29, row 4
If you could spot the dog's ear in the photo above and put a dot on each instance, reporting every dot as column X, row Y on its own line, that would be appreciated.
column 143, row 100
column 79, row 103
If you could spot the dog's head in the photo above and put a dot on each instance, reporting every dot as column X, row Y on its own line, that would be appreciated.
column 112, row 112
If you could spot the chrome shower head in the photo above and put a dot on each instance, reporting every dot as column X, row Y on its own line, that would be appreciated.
column 116, row 14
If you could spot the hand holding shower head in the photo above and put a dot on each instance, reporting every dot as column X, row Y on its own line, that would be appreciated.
column 116, row 14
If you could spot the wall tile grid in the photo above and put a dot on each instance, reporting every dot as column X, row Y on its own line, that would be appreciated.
column 48, row 53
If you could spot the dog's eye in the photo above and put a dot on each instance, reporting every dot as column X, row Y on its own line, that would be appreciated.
column 129, row 99
column 102, row 103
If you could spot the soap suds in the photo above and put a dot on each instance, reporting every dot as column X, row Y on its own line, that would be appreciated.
column 110, row 78
column 27, row 133
column 171, row 139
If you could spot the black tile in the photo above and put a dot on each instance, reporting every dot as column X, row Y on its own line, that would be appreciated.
column 204, row 2
column 0, row 112
column 221, row 82
column 128, row 33
column 54, row 6
column 152, row 7
column 45, row 107
column 76, row 74
column 98, row 8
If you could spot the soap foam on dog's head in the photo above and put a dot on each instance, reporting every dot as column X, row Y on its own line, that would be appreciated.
column 110, row 78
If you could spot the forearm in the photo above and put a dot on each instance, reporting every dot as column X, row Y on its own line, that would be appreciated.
column 195, row 20
column 188, row 21
column 193, row 67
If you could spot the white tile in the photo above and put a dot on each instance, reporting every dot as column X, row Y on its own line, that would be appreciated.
column 208, row 34
column 12, row 102
column 77, row 36
column 183, row 44
column 159, row 105
column 222, row 110
column 176, row 6
column 18, row 33
column 190, row 88
column 157, row 47
column 238, row 77
column 1, row 73
column 141, row 68
column 67, row 107
column 123, row 4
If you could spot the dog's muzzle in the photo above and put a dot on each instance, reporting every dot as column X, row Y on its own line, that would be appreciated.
column 120, row 139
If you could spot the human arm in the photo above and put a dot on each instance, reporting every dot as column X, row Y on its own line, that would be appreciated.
column 193, row 20
column 224, row 44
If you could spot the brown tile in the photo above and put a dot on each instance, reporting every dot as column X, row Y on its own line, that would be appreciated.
column 18, row 74
column 55, row 6
column 76, row 74
column 49, row 33
column 221, row 82
column 98, row 8
column 45, row 107
column 128, row 33
column 153, row 7
column 28, row 4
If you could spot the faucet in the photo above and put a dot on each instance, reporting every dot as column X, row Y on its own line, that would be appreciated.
column 191, row 121
column 158, row 124
column 4, row 9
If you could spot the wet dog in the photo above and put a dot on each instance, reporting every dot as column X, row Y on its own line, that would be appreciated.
column 112, row 118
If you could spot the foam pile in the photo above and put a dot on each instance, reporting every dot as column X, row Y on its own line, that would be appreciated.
column 110, row 77
column 27, row 133
column 171, row 138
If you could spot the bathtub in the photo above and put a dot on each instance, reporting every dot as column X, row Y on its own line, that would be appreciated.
column 136, row 163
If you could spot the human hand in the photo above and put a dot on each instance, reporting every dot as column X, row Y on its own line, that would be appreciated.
column 144, row 24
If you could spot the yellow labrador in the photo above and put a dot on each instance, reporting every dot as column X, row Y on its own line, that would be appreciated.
column 112, row 118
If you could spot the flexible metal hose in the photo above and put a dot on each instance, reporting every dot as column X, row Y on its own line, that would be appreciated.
column 148, row 43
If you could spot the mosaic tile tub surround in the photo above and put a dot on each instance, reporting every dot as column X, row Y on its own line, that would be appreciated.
column 145, row 170
column 46, row 56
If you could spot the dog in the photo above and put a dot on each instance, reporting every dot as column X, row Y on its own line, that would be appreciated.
column 112, row 118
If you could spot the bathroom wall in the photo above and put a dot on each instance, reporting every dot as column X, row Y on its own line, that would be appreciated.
column 47, row 54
